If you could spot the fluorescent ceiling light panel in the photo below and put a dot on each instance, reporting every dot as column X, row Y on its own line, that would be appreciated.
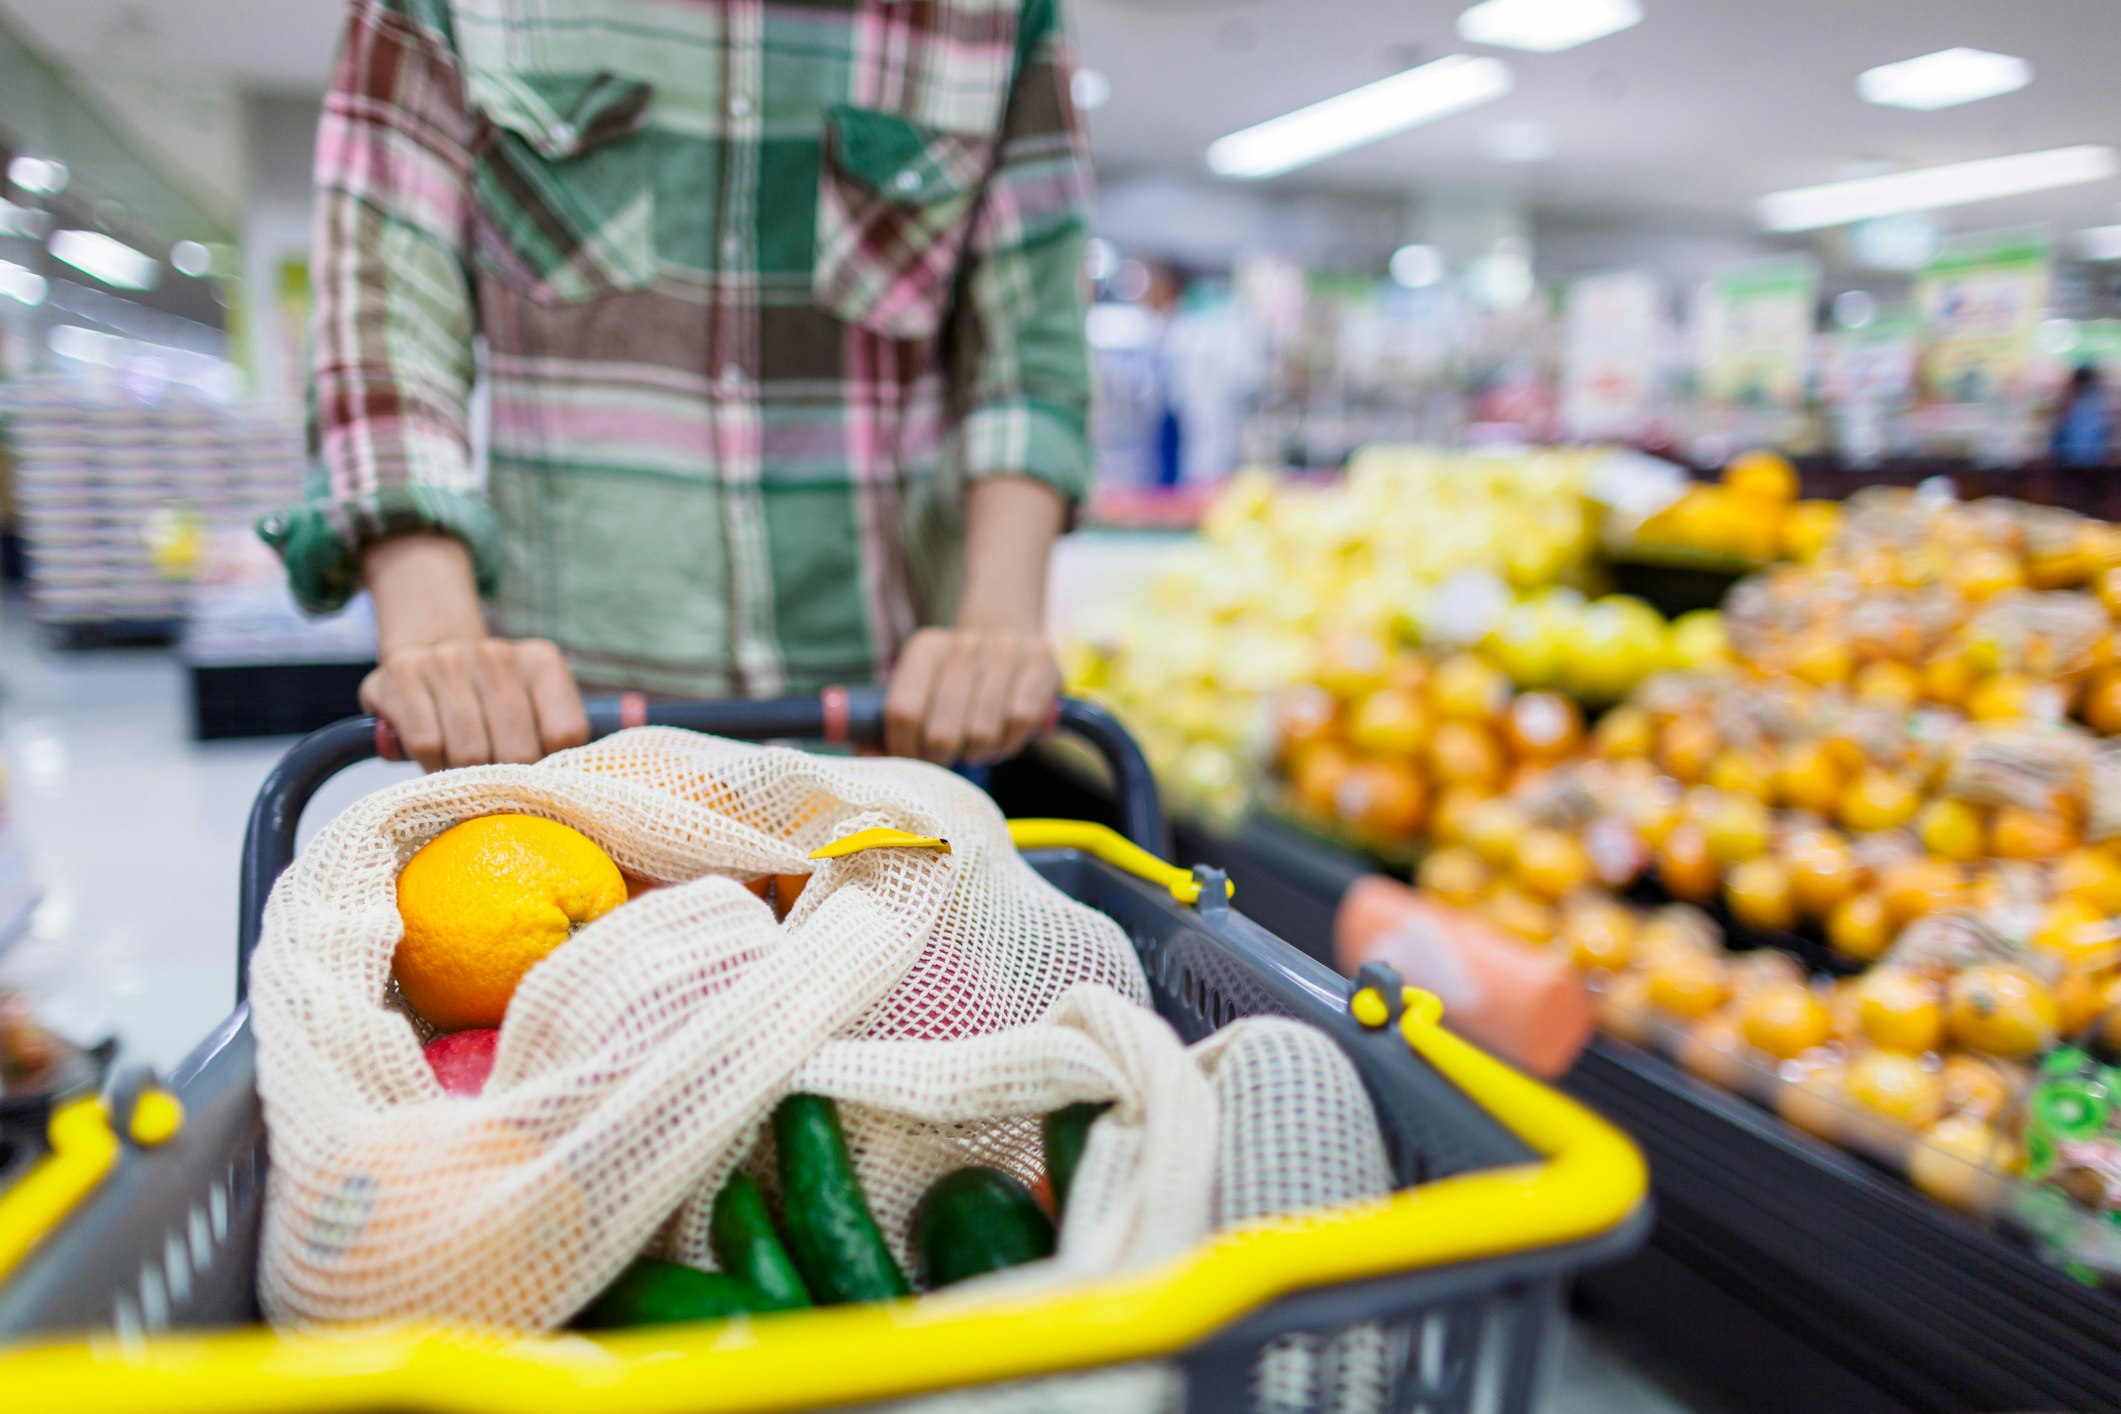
column 21, row 285
column 2100, row 243
column 1930, row 188
column 1943, row 79
column 112, row 262
column 1546, row 26
column 1360, row 116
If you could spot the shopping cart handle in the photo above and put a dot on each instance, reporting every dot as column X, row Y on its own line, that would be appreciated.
column 851, row 716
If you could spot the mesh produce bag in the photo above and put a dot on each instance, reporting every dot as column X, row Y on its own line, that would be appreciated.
column 946, row 1000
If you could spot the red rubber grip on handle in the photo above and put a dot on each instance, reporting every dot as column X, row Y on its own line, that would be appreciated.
column 388, row 747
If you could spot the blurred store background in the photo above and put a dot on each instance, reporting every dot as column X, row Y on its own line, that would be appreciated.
column 1512, row 333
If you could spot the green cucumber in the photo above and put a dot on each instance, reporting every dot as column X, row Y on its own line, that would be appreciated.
column 975, row 1221
column 831, row 1232
column 747, row 1245
column 653, row 1292
column 1066, row 1132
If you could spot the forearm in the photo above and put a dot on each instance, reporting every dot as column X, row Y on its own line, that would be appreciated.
column 1011, row 523
column 424, row 591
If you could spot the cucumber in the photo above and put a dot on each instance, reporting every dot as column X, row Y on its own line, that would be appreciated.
column 831, row 1232
column 652, row 1292
column 1066, row 1132
column 747, row 1245
column 975, row 1221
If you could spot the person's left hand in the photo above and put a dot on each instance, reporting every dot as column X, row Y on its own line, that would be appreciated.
column 970, row 694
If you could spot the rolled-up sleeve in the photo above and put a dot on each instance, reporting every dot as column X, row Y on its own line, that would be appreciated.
column 1020, row 365
column 392, row 361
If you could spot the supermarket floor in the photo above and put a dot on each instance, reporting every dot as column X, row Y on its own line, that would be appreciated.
column 134, row 831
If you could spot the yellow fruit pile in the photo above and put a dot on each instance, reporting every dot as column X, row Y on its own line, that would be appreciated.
column 1752, row 515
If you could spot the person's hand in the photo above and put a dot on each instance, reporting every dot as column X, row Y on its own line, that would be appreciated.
column 475, row 701
column 970, row 694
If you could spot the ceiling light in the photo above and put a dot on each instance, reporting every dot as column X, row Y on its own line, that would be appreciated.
column 37, row 175
column 1518, row 142
column 191, row 258
column 1417, row 266
column 2100, row 243
column 1928, row 188
column 1943, row 79
column 87, row 345
column 22, row 285
column 113, row 262
column 1546, row 26
column 1090, row 89
column 1362, row 115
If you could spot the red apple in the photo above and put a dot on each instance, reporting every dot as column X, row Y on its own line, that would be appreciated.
column 463, row 1059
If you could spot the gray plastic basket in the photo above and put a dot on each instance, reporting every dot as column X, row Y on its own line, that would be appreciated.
column 169, row 1240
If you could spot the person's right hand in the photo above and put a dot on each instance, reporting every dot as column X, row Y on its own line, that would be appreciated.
column 473, row 701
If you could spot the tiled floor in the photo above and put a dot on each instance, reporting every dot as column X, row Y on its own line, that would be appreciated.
column 135, row 830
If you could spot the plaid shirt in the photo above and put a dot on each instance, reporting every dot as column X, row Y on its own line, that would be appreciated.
column 755, row 286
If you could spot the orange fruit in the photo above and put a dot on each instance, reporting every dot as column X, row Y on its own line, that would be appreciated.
column 1455, row 808
column 1455, row 875
column 1382, row 799
column 1758, row 892
column 1625, row 731
column 1860, row 928
column 1952, row 829
column 1879, row 800
column 1823, row 871
column 1947, row 679
column 1896, row 1088
column 1822, row 659
column 2002, row 698
column 1737, row 830
column 2002, row 1009
column 1742, row 773
column 1686, row 747
column 1714, row 1050
column 1810, row 528
column 2107, row 584
column 1304, row 717
column 1494, row 828
column 2102, row 698
column 1463, row 753
column 1808, row 778
column 1784, row 1020
column 2080, row 1000
column 1816, row 1100
column 1689, row 984
column 1469, row 688
column 484, row 902
column 1760, row 476
column 1983, row 574
column 2093, row 875
column 1959, row 1162
column 1674, row 930
column 1390, row 722
column 2018, row 833
column 1317, row 774
column 1542, row 726
column 1517, row 912
column 1916, row 888
column 1901, row 1011
column 1973, row 1086
column 1551, row 864
column 1624, row 1009
column 1684, row 864
column 2078, row 934
column 1599, row 934
column 1889, row 684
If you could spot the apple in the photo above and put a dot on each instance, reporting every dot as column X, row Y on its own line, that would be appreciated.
column 463, row 1059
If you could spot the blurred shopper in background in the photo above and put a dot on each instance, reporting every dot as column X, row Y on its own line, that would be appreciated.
column 781, row 313
column 2084, row 424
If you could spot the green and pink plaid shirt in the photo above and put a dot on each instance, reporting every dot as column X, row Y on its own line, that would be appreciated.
column 755, row 286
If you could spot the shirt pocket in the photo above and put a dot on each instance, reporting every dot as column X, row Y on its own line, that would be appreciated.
column 895, row 206
column 563, row 184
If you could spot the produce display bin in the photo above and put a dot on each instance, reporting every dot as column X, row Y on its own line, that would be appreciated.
column 1505, row 1189
column 1784, row 1274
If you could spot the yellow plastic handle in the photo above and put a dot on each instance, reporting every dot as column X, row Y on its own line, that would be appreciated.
column 1115, row 849
column 83, row 1150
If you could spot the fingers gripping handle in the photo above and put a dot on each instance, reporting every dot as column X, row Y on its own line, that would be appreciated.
column 842, row 716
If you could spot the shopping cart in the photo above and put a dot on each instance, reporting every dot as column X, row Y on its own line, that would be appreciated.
column 140, row 1229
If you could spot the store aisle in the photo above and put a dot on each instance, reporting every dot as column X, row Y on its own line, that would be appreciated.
column 134, row 831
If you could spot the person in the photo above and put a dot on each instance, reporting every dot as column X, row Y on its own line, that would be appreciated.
column 2084, row 426
column 780, row 314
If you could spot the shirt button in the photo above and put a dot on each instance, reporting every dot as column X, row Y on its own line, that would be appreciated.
column 907, row 181
column 732, row 376
column 739, row 106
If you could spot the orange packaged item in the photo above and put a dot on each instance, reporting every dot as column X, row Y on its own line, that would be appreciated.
column 1523, row 1003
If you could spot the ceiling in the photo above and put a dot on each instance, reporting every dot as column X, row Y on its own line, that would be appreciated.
column 1703, row 107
